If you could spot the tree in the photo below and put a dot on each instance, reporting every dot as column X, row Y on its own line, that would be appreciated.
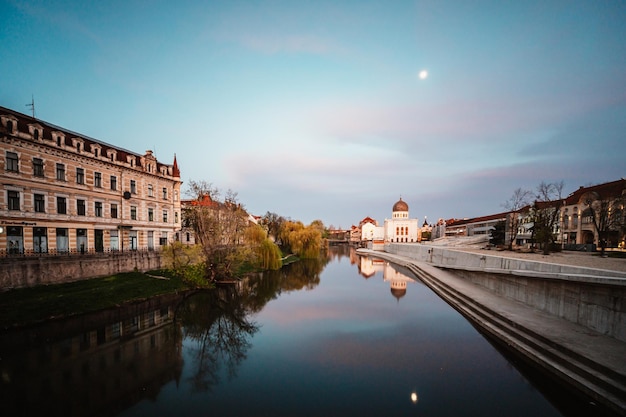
column 498, row 234
column 607, row 215
column 186, row 262
column 267, row 253
column 545, row 213
column 272, row 223
column 220, row 228
column 520, row 199
column 304, row 241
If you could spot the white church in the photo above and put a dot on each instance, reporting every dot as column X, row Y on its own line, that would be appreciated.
column 399, row 229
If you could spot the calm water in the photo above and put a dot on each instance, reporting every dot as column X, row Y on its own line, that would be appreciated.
column 343, row 337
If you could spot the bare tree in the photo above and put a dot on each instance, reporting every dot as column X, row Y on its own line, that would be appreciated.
column 220, row 228
column 607, row 214
column 545, row 213
column 520, row 199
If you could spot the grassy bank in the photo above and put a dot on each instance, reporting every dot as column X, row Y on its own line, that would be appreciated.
column 31, row 305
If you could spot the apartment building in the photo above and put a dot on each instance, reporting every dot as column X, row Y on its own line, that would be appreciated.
column 61, row 191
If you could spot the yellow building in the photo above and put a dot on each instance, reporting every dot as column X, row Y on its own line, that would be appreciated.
column 61, row 191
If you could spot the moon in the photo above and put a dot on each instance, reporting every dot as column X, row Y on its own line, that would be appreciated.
column 423, row 74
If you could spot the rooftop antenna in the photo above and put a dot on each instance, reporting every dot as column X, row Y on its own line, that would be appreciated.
column 32, row 105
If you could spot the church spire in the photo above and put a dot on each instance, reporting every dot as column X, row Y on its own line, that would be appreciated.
column 175, row 170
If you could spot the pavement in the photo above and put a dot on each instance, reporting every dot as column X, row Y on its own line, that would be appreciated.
column 593, row 363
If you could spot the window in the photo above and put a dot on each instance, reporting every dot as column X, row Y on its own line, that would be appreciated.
column 97, row 179
column 164, row 193
column 133, row 212
column 150, row 191
column 114, row 211
column 164, row 216
column 98, row 208
column 13, row 200
column 12, row 162
column 40, row 203
column 133, row 186
column 150, row 215
column 60, row 172
column 80, row 207
column 113, row 182
column 175, row 217
column 61, row 205
column 80, row 176
column 37, row 167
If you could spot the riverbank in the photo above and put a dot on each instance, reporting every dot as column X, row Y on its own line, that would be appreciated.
column 26, row 306
column 588, row 361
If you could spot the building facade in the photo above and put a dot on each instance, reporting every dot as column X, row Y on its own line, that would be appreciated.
column 400, row 228
column 61, row 191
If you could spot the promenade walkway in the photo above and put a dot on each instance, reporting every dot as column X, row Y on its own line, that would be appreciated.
column 590, row 362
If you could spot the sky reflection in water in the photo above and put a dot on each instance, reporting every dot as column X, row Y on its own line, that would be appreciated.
column 348, row 347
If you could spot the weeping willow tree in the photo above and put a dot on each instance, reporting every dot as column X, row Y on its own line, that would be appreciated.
column 304, row 241
column 267, row 254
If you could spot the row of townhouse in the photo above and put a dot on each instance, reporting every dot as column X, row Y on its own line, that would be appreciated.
column 61, row 191
column 575, row 222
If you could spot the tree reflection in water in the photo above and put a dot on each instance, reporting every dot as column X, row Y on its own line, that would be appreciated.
column 217, row 321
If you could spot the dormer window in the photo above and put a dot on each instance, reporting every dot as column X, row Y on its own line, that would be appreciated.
column 36, row 132
column 112, row 155
column 78, row 144
column 10, row 123
column 131, row 160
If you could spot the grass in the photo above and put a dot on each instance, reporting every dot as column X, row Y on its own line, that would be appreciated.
column 31, row 305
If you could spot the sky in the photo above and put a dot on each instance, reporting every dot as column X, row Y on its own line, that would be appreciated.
column 316, row 110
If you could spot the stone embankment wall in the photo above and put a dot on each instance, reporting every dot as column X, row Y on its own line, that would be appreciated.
column 592, row 298
column 20, row 272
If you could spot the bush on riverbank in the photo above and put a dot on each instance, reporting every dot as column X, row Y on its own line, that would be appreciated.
column 31, row 305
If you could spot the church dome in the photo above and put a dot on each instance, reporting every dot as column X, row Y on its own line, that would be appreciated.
column 400, row 206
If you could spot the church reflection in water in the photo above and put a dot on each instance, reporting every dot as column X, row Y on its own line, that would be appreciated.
column 397, row 276
column 91, row 365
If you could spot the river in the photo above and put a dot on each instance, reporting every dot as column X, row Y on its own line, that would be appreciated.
column 342, row 336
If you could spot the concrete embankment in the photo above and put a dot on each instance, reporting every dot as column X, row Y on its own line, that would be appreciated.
column 527, row 312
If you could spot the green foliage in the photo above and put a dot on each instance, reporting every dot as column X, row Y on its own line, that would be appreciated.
column 266, row 253
column 304, row 241
column 186, row 262
column 498, row 234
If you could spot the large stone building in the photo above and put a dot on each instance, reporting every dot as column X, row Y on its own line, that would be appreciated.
column 61, row 191
column 400, row 228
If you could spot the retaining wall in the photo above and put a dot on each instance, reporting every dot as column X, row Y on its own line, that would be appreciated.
column 595, row 299
column 19, row 272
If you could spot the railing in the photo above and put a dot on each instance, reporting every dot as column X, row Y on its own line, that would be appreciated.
column 29, row 253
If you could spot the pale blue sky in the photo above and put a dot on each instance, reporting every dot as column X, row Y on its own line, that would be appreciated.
column 314, row 110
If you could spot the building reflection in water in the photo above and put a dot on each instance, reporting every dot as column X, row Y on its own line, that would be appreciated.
column 97, row 364
column 397, row 276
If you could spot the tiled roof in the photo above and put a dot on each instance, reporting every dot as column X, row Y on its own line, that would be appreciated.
column 606, row 190
column 24, row 120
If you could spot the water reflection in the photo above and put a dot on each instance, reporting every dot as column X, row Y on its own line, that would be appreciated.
column 314, row 338
column 91, row 365
column 218, row 326
column 398, row 277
